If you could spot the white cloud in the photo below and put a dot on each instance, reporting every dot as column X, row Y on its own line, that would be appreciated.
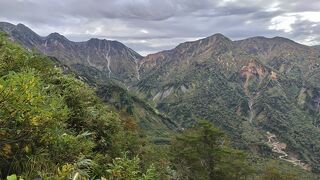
column 309, row 16
column 283, row 22
column 275, row 6
column 144, row 31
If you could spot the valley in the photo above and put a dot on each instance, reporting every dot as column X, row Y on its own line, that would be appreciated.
column 245, row 88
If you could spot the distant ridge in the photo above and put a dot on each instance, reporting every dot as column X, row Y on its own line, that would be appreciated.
column 111, row 58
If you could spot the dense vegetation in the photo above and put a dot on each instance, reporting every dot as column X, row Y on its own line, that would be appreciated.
column 151, row 122
column 53, row 126
column 246, row 88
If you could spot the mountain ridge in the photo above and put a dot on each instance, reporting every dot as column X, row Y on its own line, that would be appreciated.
column 246, row 87
column 8, row 26
column 112, row 58
column 258, row 84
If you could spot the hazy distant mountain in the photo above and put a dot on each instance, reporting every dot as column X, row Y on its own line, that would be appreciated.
column 110, row 58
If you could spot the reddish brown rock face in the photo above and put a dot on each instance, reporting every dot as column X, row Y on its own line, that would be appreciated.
column 252, row 69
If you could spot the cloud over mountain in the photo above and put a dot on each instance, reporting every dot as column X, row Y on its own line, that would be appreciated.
column 149, row 26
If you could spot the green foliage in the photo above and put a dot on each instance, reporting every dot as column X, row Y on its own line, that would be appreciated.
column 202, row 153
column 28, row 111
column 272, row 173
column 129, row 169
column 268, row 168
column 214, row 89
column 148, row 119
column 160, row 157
column 52, row 125
column 14, row 177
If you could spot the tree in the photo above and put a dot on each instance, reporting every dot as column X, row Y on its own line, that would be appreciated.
column 123, row 168
column 202, row 152
column 52, row 125
column 272, row 173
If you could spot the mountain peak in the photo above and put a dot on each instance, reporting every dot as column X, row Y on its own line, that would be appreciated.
column 216, row 42
column 260, row 44
column 283, row 39
column 57, row 36
column 6, row 26
column 21, row 26
column 276, row 39
column 21, row 33
column 99, row 42
column 111, row 59
column 24, row 29
column 96, row 40
column 218, row 36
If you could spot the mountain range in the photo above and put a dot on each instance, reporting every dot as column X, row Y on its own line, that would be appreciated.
column 112, row 58
column 249, row 88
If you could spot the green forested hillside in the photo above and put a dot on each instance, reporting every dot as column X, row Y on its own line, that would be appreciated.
column 53, row 126
column 118, row 95
column 247, row 88
column 252, row 89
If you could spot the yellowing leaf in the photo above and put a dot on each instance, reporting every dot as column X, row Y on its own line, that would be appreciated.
column 35, row 121
column 27, row 149
column 7, row 149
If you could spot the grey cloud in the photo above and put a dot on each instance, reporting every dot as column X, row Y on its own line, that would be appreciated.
column 306, row 31
column 152, row 25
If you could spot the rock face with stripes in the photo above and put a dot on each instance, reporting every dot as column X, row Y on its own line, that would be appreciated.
column 110, row 59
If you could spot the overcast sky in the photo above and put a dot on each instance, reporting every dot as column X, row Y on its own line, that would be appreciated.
column 149, row 26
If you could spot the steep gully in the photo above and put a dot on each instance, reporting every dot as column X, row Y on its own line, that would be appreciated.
column 108, row 61
column 247, row 72
column 254, row 70
column 137, row 66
